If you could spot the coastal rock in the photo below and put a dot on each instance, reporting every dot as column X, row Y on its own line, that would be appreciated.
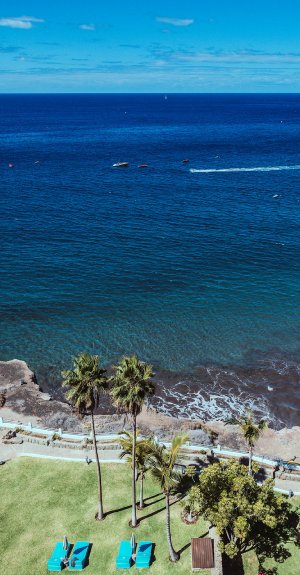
column 25, row 397
column 2, row 398
column 26, row 402
column 15, row 373
column 200, row 436
column 45, row 396
column 14, row 441
column 9, row 435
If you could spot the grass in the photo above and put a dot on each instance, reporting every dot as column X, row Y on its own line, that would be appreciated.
column 291, row 566
column 41, row 501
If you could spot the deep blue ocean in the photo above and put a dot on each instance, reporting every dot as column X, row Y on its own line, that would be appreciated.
column 194, row 266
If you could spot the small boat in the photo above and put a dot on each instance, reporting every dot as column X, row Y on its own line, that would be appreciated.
column 185, row 161
column 143, row 166
column 11, row 165
column 120, row 165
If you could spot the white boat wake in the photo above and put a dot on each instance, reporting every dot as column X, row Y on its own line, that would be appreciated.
column 258, row 169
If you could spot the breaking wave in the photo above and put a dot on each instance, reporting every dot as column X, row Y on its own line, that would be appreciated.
column 269, row 387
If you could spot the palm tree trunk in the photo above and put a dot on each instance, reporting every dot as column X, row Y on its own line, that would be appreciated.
column 133, row 517
column 142, row 490
column 250, row 460
column 100, row 514
column 174, row 556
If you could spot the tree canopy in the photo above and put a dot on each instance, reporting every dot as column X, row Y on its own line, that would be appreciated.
column 250, row 430
column 246, row 515
column 131, row 387
column 131, row 384
column 85, row 381
column 162, row 464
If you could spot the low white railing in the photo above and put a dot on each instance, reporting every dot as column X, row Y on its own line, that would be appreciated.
column 217, row 450
column 50, row 432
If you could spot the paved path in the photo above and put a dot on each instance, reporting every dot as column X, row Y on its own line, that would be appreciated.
column 288, row 485
column 11, row 451
column 218, row 568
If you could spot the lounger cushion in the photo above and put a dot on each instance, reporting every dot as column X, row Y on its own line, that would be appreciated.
column 123, row 560
column 55, row 561
column 79, row 556
column 144, row 552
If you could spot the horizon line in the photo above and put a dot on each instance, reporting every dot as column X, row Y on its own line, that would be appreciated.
column 148, row 93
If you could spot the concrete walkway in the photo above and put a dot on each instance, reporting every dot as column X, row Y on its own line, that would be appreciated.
column 218, row 568
column 287, row 485
column 26, row 449
column 11, row 451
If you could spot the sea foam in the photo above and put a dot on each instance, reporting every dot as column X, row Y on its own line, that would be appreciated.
column 248, row 169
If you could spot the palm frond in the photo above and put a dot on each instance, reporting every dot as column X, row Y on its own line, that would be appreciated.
column 251, row 430
column 131, row 384
column 85, row 382
column 162, row 461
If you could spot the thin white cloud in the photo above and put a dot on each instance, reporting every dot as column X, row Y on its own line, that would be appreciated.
column 22, row 22
column 239, row 56
column 175, row 21
column 87, row 27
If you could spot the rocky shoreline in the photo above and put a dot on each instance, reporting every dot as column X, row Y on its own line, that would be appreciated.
column 23, row 400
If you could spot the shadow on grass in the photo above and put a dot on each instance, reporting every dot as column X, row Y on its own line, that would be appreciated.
column 152, row 503
column 129, row 506
column 117, row 510
column 151, row 514
column 153, row 496
column 233, row 566
column 157, row 510
column 185, row 547
column 88, row 555
column 153, row 558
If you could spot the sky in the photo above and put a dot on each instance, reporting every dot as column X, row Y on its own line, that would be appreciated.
column 150, row 46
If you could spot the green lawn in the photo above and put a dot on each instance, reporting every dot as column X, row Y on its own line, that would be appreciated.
column 291, row 565
column 41, row 501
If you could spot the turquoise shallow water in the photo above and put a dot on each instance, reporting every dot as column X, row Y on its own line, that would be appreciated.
column 196, row 271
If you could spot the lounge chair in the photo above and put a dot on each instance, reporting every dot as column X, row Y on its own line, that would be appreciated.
column 78, row 559
column 124, row 558
column 55, row 563
column 143, row 555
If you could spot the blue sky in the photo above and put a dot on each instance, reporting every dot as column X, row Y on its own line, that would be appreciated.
column 150, row 46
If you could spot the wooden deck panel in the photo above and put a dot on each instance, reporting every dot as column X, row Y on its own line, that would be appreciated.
column 202, row 553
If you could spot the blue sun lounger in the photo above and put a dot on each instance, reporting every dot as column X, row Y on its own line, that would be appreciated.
column 124, row 560
column 78, row 559
column 59, row 553
column 143, row 555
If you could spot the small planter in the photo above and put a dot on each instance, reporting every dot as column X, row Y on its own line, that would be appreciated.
column 189, row 519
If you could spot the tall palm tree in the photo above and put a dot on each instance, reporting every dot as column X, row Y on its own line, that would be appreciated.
column 86, row 381
column 162, row 470
column 251, row 432
column 131, row 386
column 144, row 448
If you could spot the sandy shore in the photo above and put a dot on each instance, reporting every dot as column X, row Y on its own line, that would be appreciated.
column 25, row 401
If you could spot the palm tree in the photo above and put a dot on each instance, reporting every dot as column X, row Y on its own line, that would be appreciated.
column 131, row 386
column 86, row 381
column 144, row 448
column 162, row 470
column 250, row 430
